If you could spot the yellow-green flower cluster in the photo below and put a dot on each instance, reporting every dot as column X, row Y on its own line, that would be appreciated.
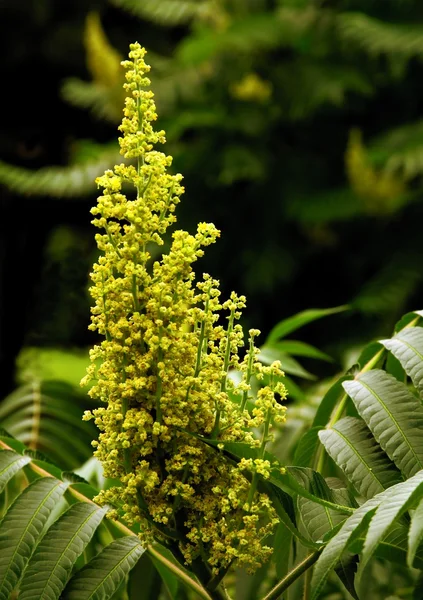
column 162, row 368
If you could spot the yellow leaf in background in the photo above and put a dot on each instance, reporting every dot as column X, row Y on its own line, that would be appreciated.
column 252, row 88
column 103, row 61
column 382, row 192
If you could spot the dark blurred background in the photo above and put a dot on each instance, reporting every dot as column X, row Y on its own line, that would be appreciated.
column 297, row 125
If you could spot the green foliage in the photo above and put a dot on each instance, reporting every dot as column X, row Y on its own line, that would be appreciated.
column 273, row 86
column 276, row 347
column 46, row 415
column 376, row 447
column 44, row 412
column 379, row 453
column 167, row 12
column 56, row 181
column 53, row 544
column 400, row 41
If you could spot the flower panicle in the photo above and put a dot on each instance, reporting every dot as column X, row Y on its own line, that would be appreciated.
column 160, row 373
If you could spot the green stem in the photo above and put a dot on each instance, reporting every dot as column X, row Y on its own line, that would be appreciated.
column 135, row 291
column 159, row 388
column 127, row 455
column 248, row 373
column 201, row 340
column 216, row 580
column 227, row 350
column 111, row 240
column 106, row 318
column 177, row 500
column 215, row 432
column 292, row 576
column 262, row 450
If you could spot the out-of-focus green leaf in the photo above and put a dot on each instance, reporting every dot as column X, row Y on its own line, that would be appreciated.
column 283, row 328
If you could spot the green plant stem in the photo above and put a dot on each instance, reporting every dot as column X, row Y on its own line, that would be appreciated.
column 292, row 576
column 248, row 374
column 216, row 427
column 200, row 569
column 202, row 593
column 262, row 451
column 216, row 580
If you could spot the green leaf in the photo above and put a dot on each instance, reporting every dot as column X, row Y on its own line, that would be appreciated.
column 346, row 570
column 396, row 501
column 307, row 484
column 57, row 181
column 10, row 463
column 418, row 588
column 101, row 577
column 294, row 391
column 307, row 447
column 415, row 533
column 51, row 564
column 145, row 581
column 47, row 466
column 388, row 290
column 317, row 519
column 13, row 443
column 269, row 354
column 394, row 416
column 165, row 12
column 279, row 500
column 297, row 348
column 336, row 547
column 102, row 100
column 293, row 323
column 410, row 319
column 168, row 577
column 378, row 37
column 393, row 548
column 329, row 401
column 243, row 35
column 282, row 547
column 355, row 451
column 407, row 347
column 170, row 567
column 47, row 415
column 371, row 357
column 5, row 433
column 22, row 527
column 393, row 367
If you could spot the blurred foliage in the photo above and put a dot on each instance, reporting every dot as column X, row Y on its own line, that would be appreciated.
column 44, row 411
column 297, row 125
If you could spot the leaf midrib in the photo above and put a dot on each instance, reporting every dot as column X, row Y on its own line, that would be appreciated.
column 67, row 546
column 410, row 347
column 110, row 573
column 369, row 469
column 30, row 522
column 394, row 421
